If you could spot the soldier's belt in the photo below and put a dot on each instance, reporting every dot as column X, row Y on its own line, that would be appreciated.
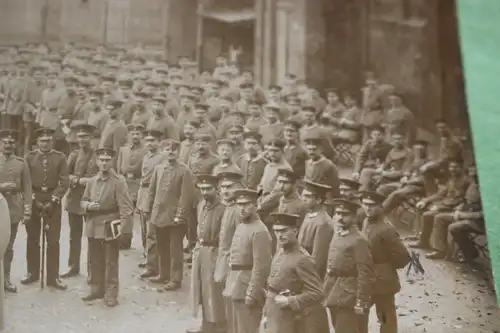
column 50, row 109
column 235, row 267
column 339, row 273
column 145, row 184
column 280, row 292
column 11, row 192
column 208, row 243
column 104, row 211
column 43, row 189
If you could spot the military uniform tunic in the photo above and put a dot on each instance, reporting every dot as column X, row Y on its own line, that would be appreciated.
column 293, row 270
column 250, row 262
column 15, row 170
column 349, row 280
column 50, row 181
column 129, row 165
column 315, row 235
column 252, row 169
column 205, row 291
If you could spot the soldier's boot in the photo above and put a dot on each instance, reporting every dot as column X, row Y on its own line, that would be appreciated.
column 148, row 273
column 29, row 279
column 57, row 284
column 8, row 285
column 71, row 273
column 93, row 295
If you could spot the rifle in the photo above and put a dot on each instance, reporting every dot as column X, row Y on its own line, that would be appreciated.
column 415, row 264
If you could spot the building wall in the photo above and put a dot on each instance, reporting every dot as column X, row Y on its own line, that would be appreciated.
column 166, row 23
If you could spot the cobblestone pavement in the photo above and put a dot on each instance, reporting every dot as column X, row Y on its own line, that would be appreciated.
column 449, row 299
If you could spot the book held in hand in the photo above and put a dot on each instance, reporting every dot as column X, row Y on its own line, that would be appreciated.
column 113, row 229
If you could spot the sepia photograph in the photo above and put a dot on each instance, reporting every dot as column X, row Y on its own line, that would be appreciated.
column 238, row 166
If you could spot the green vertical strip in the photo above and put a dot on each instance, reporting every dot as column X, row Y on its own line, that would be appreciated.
column 480, row 42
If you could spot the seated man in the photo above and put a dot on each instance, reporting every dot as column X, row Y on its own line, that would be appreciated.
column 392, row 169
column 370, row 158
column 450, row 148
column 411, row 184
column 445, row 200
column 466, row 218
column 349, row 124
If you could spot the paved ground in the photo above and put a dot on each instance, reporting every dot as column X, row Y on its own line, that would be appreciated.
column 449, row 299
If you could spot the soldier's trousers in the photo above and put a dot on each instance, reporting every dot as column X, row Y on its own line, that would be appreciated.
column 151, row 248
column 385, row 307
column 29, row 138
column 460, row 231
column 170, row 252
column 75, row 240
column 246, row 319
column 9, row 252
column 34, row 231
column 347, row 321
column 104, row 268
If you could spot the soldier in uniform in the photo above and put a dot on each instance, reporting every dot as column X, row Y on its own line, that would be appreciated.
column 295, row 154
column 50, row 181
column 170, row 199
column 468, row 214
column 82, row 166
column 311, row 125
column 114, row 134
column 152, row 158
column 252, row 163
column 228, row 183
column 349, row 190
column 15, row 186
column 317, row 228
column 205, row 291
column 225, row 149
column 450, row 148
column 320, row 169
column 389, row 254
column 202, row 161
column 294, row 291
column 371, row 156
column 399, row 119
column 290, row 201
column 129, row 165
column 162, row 121
column 350, row 273
column 188, row 144
column 106, row 199
column 274, row 127
column 397, row 161
column 445, row 200
column 249, row 261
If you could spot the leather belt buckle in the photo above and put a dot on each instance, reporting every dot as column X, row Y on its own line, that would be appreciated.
column 44, row 189
column 130, row 175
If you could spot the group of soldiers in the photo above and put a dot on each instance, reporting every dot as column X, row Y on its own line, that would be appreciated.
column 247, row 175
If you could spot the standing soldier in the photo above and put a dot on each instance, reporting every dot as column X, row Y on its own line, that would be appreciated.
column 290, row 201
column 294, row 291
column 31, row 98
column 228, row 183
column 170, row 198
column 295, row 154
column 82, row 166
column 205, row 291
column 105, row 201
column 152, row 158
column 15, row 186
column 389, row 254
column 349, row 281
column 319, row 169
column 129, row 165
column 250, row 261
column 50, row 181
column 252, row 163
column 114, row 135
column 317, row 228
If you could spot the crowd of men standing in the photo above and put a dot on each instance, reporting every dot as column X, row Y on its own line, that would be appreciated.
column 247, row 175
